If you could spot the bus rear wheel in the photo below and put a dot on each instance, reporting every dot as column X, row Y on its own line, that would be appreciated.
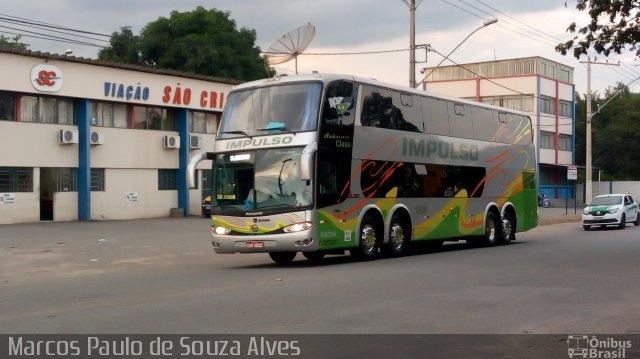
column 508, row 230
column 399, row 237
column 369, row 240
column 491, row 230
column 282, row 258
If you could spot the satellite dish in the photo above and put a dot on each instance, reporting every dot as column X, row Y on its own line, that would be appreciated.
column 290, row 45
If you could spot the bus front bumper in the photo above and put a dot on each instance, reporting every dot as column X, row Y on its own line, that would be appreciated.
column 290, row 242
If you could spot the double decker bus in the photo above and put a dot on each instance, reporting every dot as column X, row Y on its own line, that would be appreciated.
column 323, row 164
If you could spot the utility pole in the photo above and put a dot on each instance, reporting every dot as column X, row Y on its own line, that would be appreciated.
column 588, row 170
column 412, row 40
column 588, row 182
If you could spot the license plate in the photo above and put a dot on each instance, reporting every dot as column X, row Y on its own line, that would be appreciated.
column 598, row 218
column 254, row 244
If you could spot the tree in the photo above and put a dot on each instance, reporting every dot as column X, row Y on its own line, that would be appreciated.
column 201, row 41
column 616, row 130
column 613, row 26
column 124, row 48
column 6, row 44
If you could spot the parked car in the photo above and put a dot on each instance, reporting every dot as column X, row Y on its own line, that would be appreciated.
column 206, row 207
column 610, row 209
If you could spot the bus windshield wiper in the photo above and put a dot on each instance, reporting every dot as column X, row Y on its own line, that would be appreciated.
column 236, row 132
column 281, row 129
column 278, row 205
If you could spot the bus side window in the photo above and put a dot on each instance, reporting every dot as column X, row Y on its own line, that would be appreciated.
column 339, row 105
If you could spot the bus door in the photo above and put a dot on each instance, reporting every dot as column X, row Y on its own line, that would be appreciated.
column 333, row 166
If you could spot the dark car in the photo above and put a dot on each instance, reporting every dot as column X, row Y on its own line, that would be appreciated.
column 206, row 207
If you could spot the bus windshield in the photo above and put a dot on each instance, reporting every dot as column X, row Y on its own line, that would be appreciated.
column 272, row 109
column 263, row 180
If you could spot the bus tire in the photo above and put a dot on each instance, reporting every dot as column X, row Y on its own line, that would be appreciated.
column 508, row 229
column 282, row 258
column 491, row 230
column 399, row 236
column 313, row 256
column 369, row 236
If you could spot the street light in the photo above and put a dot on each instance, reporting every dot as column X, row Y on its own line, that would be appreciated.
column 484, row 24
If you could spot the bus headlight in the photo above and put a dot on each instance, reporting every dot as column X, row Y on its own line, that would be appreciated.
column 220, row 230
column 297, row 227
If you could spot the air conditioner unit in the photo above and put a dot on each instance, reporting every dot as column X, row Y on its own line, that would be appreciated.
column 195, row 142
column 67, row 136
column 171, row 141
column 96, row 138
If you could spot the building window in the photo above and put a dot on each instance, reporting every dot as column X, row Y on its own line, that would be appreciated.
column 546, row 139
column 46, row 110
column 16, row 179
column 203, row 122
column 97, row 180
column 153, row 118
column 519, row 103
column 7, row 107
column 167, row 179
column 564, row 142
column 65, row 179
column 564, row 109
column 107, row 114
column 546, row 106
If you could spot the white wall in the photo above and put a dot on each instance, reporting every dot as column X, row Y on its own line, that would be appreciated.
column 114, row 204
column 65, row 206
column 606, row 187
column 26, row 208
column 35, row 145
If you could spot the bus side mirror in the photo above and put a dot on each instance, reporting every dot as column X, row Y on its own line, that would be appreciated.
column 306, row 161
column 191, row 167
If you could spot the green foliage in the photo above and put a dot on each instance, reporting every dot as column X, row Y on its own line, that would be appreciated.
column 201, row 41
column 124, row 48
column 613, row 26
column 615, row 133
column 12, row 43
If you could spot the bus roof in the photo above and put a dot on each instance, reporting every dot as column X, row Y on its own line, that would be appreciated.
column 328, row 77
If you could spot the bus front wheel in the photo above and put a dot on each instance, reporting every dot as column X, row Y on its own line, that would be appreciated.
column 369, row 240
column 282, row 258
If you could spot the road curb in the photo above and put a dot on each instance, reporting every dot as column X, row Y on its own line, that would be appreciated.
column 559, row 219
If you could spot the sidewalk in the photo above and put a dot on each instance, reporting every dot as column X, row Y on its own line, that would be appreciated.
column 553, row 215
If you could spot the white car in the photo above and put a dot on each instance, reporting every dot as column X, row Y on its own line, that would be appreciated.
column 610, row 209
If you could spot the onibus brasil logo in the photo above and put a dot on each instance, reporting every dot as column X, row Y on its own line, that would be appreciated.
column 581, row 346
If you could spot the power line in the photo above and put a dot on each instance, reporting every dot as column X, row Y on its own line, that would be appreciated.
column 45, row 28
column 33, row 22
column 52, row 37
column 29, row 28
column 49, row 38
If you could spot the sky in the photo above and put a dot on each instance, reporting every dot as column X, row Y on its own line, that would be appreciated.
column 524, row 29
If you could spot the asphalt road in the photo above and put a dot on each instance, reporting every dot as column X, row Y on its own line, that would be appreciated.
column 162, row 276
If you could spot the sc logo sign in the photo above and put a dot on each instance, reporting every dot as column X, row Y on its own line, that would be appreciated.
column 46, row 78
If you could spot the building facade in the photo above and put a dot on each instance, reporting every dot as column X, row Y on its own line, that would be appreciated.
column 85, row 140
column 536, row 85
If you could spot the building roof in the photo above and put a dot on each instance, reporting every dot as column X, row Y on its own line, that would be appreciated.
column 118, row 65
column 507, row 60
